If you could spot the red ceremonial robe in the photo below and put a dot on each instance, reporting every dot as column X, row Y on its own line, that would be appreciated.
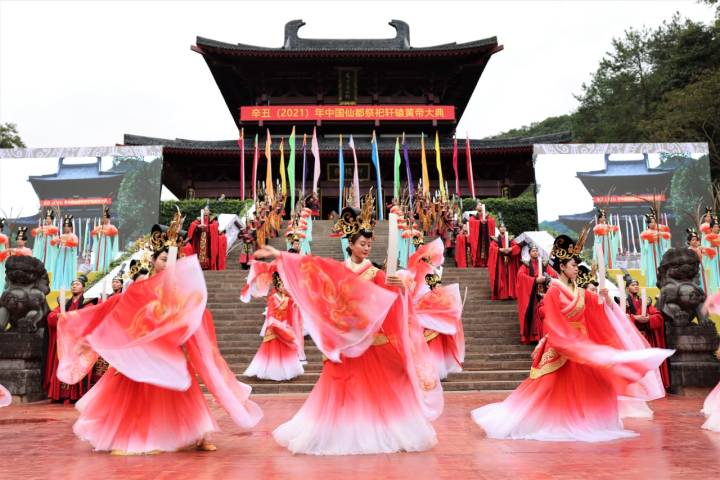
column 461, row 251
column 529, row 301
column 503, row 268
column 653, row 330
column 206, row 243
column 480, row 233
column 55, row 389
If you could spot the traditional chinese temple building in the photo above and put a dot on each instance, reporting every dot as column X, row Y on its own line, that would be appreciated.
column 343, row 87
column 634, row 184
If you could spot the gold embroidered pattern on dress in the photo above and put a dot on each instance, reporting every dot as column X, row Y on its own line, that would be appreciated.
column 550, row 362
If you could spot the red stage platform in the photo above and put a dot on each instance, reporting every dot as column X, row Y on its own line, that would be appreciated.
column 36, row 441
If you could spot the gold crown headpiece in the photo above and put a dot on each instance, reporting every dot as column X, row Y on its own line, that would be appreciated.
column 564, row 248
column 586, row 276
column 161, row 239
column 433, row 280
column 143, row 263
column 352, row 221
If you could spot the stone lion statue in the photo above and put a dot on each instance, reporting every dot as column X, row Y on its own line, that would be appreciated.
column 23, row 304
column 680, row 293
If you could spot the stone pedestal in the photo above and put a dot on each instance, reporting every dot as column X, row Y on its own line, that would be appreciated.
column 20, row 365
column 694, row 363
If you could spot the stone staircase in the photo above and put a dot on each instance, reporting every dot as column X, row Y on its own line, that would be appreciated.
column 494, row 360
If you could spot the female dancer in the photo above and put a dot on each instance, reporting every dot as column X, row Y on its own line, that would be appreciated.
column 579, row 369
column 378, row 389
column 156, row 336
column 438, row 309
column 5, row 397
column 278, row 357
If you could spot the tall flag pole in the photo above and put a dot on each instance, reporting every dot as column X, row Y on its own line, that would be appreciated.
column 291, row 170
column 407, row 169
column 376, row 162
column 283, row 176
column 423, row 161
column 439, row 166
column 268, row 177
column 455, row 167
column 256, row 157
column 356, row 178
column 341, row 186
column 316, row 153
column 468, row 160
column 396, row 170
column 241, row 144
column 304, row 163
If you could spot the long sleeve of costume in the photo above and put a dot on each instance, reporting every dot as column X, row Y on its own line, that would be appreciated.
column 139, row 333
column 624, row 368
column 335, row 303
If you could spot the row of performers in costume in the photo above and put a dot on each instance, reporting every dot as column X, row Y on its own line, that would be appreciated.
column 59, row 252
column 266, row 223
column 378, row 390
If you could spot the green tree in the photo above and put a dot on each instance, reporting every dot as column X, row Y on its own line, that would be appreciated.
column 562, row 123
column 138, row 196
column 690, row 113
column 688, row 188
column 9, row 136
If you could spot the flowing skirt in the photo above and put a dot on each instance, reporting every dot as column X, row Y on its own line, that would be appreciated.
column 574, row 403
column 275, row 360
column 360, row 406
column 121, row 415
column 711, row 409
column 442, row 348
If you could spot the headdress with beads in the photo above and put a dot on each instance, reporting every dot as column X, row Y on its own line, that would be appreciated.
column 68, row 221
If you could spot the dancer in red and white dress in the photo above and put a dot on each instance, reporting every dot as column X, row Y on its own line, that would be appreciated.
column 580, row 367
column 156, row 337
column 438, row 309
column 278, row 357
column 5, row 397
column 378, row 389
column 711, row 406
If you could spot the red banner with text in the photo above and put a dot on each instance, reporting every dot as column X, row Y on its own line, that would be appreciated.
column 287, row 113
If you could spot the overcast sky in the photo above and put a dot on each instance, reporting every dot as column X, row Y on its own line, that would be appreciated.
column 84, row 73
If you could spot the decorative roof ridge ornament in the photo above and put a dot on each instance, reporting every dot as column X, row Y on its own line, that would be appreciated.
column 294, row 42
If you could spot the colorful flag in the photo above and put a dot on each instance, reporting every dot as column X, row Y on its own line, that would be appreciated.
column 356, row 178
column 241, row 145
column 341, row 163
column 455, row 167
column 283, row 177
column 291, row 170
column 256, row 158
column 316, row 153
column 304, row 163
column 468, row 161
column 269, row 191
column 396, row 171
column 407, row 169
column 376, row 162
column 423, row 161
column 443, row 196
